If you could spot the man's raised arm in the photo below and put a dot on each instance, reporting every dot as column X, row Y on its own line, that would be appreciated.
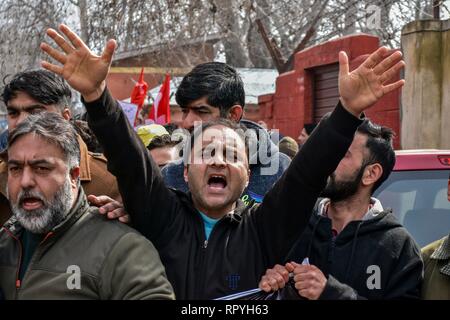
column 287, row 207
column 150, row 204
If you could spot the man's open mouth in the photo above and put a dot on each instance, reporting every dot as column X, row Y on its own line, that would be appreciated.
column 31, row 203
column 217, row 181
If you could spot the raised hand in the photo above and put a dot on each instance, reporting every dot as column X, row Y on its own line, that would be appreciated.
column 83, row 70
column 365, row 85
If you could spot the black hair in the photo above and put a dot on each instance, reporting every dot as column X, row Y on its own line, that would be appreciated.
column 170, row 127
column 161, row 141
column 87, row 135
column 309, row 127
column 379, row 144
column 217, row 81
column 41, row 85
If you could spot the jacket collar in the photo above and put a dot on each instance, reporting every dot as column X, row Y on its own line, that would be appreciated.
column 443, row 253
column 85, row 170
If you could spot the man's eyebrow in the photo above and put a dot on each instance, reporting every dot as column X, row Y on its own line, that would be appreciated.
column 31, row 162
column 34, row 106
column 15, row 162
column 198, row 107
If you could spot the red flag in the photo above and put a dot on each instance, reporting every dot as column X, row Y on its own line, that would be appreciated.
column 160, row 112
column 139, row 92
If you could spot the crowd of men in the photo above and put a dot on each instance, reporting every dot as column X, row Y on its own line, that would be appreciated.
column 218, row 211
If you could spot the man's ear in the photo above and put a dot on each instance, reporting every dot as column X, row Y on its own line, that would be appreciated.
column 235, row 113
column 248, row 178
column 74, row 176
column 372, row 173
column 67, row 114
column 185, row 173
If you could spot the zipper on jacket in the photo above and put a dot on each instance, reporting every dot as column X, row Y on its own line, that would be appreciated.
column 19, row 264
column 331, row 253
column 18, row 283
column 203, row 270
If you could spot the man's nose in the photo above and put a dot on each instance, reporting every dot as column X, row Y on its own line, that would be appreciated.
column 14, row 122
column 22, row 116
column 189, row 120
column 218, row 160
column 27, row 180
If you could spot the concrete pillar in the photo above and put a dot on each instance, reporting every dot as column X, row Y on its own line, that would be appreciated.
column 425, row 106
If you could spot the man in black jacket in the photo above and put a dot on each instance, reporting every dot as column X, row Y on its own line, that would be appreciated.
column 244, row 240
column 355, row 248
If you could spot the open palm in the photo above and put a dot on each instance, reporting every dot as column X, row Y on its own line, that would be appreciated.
column 80, row 67
column 365, row 85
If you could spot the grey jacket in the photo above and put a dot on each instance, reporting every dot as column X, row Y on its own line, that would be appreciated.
column 110, row 260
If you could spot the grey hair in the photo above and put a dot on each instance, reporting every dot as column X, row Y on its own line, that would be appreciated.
column 54, row 129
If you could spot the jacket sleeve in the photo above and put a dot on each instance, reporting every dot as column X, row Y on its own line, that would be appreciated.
column 151, row 205
column 335, row 290
column 286, row 208
column 133, row 271
column 405, row 279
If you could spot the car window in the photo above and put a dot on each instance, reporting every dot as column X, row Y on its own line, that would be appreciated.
column 419, row 201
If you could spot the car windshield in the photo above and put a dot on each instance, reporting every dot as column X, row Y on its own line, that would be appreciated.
column 419, row 201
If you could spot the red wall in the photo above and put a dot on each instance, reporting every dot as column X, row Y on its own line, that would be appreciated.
column 291, row 104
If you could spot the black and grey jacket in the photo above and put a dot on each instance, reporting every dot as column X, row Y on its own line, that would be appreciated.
column 373, row 258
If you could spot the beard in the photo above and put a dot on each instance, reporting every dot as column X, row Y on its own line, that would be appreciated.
column 340, row 190
column 52, row 212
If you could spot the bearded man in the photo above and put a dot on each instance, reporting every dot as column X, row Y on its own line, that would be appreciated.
column 356, row 249
column 56, row 246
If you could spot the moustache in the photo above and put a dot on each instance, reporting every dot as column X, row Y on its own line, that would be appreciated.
column 26, row 194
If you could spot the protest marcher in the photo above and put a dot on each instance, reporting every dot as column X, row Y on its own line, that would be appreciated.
column 214, row 90
column 355, row 248
column 436, row 256
column 56, row 246
column 209, row 241
column 159, row 143
column 288, row 146
column 305, row 133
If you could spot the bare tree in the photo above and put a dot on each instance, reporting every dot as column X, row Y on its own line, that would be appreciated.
column 291, row 25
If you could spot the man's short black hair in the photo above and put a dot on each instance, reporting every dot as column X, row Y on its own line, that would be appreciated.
column 43, row 86
column 217, row 81
column 170, row 127
column 309, row 127
column 161, row 141
column 379, row 144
